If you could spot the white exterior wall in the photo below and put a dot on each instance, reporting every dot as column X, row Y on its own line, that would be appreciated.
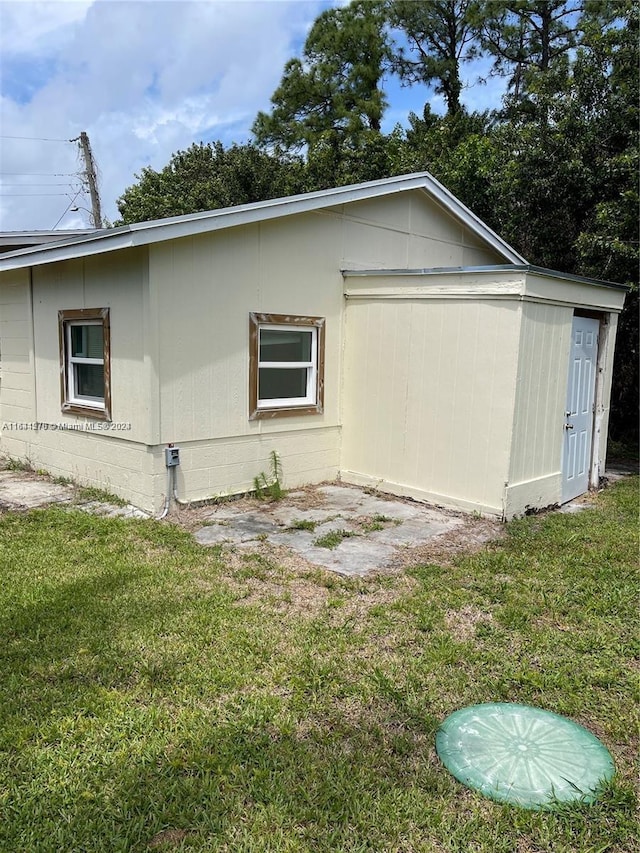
column 535, row 475
column 286, row 266
column 445, row 388
column 16, row 364
column 455, row 385
column 117, row 460
column 116, row 281
column 408, row 231
column 428, row 397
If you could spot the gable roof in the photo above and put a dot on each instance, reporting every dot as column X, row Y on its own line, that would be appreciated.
column 145, row 233
column 11, row 241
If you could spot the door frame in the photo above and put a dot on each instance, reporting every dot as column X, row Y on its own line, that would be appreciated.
column 599, row 409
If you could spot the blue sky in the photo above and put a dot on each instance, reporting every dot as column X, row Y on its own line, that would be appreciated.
column 144, row 78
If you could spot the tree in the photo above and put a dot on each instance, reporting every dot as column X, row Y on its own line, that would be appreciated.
column 441, row 35
column 565, row 183
column 375, row 157
column 608, row 244
column 458, row 150
column 533, row 43
column 206, row 177
column 529, row 37
column 332, row 96
column 606, row 75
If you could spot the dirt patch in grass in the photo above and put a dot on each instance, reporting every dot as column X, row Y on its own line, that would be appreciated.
column 308, row 497
column 168, row 838
column 273, row 578
column 194, row 517
column 462, row 623
column 278, row 579
column 472, row 536
column 297, row 598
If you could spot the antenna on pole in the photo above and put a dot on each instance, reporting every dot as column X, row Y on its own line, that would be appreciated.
column 91, row 177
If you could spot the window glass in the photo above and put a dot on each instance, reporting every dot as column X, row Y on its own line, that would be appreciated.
column 286, row 365
column 279, row 383
column 89, row 380
column 284, row 345
column 87, row 341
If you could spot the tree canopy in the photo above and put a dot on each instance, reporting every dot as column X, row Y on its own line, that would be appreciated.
column 207, row 177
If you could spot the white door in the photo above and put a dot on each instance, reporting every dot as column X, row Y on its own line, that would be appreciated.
column 578, row 422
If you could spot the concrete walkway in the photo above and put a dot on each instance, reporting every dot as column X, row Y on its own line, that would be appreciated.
column 23, row 490
column 335, row 527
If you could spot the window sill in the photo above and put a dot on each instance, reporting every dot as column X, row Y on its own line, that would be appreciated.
column 87, row 411
column 292, row 411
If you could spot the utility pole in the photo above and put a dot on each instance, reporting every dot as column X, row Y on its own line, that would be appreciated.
column 91, row 178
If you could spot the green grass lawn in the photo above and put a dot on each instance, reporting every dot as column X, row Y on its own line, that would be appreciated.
column 159, row 695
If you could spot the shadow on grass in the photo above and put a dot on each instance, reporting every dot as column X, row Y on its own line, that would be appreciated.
column 245, row 785
column 133, row 702
column 86, row 610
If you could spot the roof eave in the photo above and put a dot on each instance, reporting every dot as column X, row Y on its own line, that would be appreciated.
column 67, row 250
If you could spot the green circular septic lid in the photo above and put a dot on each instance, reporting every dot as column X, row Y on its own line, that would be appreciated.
column 522, row 755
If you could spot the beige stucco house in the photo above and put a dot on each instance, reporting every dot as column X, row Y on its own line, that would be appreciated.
column 380, row 333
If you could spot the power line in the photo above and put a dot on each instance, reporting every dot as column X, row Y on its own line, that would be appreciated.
column 68, row 207
column 36, row 138
column 27, row 186
column 44, row 174
column 30, row 195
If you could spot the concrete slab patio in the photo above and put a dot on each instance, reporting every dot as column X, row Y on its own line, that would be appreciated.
column 24, row 490
column 345, row 529
column 18, row 490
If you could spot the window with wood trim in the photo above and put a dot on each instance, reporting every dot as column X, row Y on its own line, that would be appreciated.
column 85, row 362
column 286, row 365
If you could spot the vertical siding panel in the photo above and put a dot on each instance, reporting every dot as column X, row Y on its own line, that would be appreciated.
column 453, row 348
column 443, row 412
column 416, row 403
column 401, row 373
column 542, row 371
column 474, row 390
column 547, row 386
column 373, row 359
column 17, row 387
column 432, row 400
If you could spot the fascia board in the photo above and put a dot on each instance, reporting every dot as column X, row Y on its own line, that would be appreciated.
column 66, row 251
column 596, row 295
column 491, row 269
column 482, row 284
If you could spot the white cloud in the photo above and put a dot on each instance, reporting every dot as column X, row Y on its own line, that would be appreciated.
column 144, row 79
column 39, row 28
